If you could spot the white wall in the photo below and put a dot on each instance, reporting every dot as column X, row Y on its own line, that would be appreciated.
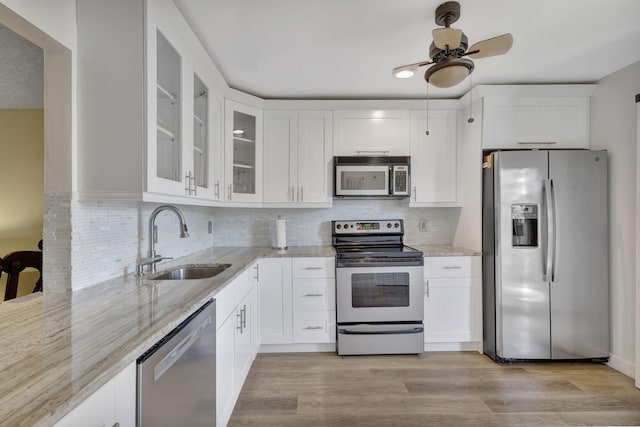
column 469, row 231
column 55, row 19
column 613, row 127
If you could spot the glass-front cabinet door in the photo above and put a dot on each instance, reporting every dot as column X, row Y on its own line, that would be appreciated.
column 200, row 135
column 165, row 165
column 243, row 152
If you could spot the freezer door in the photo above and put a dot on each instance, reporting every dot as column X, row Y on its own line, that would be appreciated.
column 522, row 294
column 579, row 288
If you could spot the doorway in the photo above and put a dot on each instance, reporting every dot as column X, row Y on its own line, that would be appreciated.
column 21, row 150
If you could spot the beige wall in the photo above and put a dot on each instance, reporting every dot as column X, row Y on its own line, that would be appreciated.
column 21, row 183
column 613, row 128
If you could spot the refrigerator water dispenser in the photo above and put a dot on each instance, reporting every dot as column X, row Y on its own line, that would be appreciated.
column 524, row 220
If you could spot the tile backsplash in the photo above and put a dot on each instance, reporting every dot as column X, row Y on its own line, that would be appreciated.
column 309, row 227
column 107, row 237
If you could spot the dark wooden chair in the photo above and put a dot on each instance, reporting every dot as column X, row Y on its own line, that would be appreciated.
column 15, row 263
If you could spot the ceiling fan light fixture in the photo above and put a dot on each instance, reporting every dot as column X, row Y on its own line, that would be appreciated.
column 404, row 72
column 449, row 73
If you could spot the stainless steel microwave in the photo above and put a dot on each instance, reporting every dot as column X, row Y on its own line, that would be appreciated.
column 359, row 176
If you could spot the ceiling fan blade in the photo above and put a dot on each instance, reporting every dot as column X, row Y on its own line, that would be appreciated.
column 447, row 36
column 408, row 70
column 491, row 47
column 414, row 65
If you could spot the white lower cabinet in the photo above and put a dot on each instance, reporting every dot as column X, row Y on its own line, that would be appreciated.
column 112, row 404
column 453, row 299
column 236, row 308
column 297, row 300
column 314, row 300
column 276, row 301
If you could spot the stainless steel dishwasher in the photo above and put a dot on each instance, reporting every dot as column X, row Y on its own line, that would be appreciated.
column 177, row 376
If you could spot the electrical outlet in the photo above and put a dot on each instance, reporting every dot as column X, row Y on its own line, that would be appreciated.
column 210, row 227
column 422, row 225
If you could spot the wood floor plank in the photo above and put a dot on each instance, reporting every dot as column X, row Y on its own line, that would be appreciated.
column 432, row 389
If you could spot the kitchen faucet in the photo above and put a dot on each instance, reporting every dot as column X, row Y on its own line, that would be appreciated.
column 153, row 257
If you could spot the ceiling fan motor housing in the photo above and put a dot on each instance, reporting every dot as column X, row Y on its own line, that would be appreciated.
column 437, row 55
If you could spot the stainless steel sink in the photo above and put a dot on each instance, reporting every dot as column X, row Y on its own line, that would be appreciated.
column 194, row 271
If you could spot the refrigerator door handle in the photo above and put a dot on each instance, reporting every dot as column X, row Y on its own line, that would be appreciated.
column 549, row 200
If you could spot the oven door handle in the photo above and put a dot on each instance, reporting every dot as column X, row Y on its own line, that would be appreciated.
column 413, row 330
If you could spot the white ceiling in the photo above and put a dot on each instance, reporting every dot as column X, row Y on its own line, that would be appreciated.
column 21, row 72
column 345, row 49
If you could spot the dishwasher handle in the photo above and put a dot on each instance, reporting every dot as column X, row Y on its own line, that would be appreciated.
column 170, row 359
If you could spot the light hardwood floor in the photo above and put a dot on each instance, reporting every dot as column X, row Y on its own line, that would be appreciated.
column 433, row 389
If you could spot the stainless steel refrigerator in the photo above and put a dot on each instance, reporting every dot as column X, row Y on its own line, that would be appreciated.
column 545, row 247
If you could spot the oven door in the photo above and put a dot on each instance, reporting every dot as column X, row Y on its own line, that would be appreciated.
column 379, row 294
column 362, row 180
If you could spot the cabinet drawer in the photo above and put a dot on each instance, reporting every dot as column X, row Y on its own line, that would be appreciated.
column 450, row 266
column 314, row 295
column 313, row 267
column 314, row 327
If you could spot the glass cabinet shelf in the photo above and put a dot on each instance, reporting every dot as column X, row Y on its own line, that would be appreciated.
column 238, row 138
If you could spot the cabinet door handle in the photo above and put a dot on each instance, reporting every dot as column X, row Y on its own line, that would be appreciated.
column 244, row 316
column 195, row 185
column 452, row 267
column 310, row 328
column 216, row 187
column 229, row 190
column 313, row 295
column 383, row 152
column 187, row 184
column 313, row 268
column 427, row 283
column 301, row 195
column 257, row 276
column 537, row 142
column 414, row 194
column 239, row 316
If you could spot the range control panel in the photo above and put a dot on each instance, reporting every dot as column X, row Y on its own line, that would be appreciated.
column 386, row 226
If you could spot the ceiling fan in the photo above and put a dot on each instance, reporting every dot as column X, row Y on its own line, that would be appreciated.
column 450, row 49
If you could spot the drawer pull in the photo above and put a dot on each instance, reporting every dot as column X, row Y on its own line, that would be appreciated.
column 452, row 267
column 310, row 328
column 313, row 268
column 313, row 295
column 537, row 142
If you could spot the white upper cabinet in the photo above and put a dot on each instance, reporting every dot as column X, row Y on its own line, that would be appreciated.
column 184, row 135
column 371, row 133
column 150, row 127
column 537, row 116
column 243, row 153
column 297, row 158
column 433, row 158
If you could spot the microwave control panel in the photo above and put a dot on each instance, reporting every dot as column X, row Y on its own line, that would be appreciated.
column 400, row 184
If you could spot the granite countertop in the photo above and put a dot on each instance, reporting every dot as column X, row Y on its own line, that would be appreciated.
column 445, row 251
column 56, row 349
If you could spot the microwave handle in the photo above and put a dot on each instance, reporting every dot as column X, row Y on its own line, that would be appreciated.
column 383, row 152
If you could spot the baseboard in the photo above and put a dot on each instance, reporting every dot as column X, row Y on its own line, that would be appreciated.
column 298, row 348
column 622, row 366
